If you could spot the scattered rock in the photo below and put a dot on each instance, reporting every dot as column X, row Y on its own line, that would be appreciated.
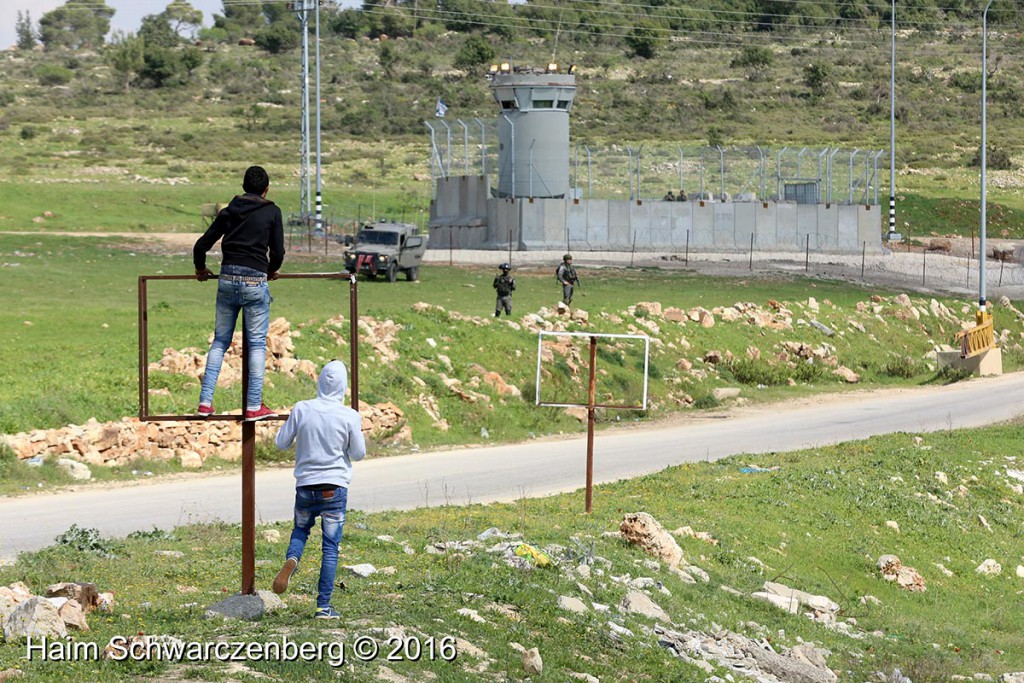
column 640, row 528
column 533, row 665
column 905, row 577
column 246, row 607
column 364, row 570
column 893, row 525
column 472, row 614
column 572, row 604
column 638, row 603
column 85, row 594
column 76, row 470
column 37, row 618
column 72, row 614
column 989, row 568
column 271, row 535
column 792, row 600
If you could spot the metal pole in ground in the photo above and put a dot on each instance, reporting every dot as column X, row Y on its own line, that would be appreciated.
column 924, row 265
column 686, row 256
column 590, row 422
column 248, row 484
column 751, row 251
column 807, row 253
column 863, row 255
column 353, row 342
column 982, row 253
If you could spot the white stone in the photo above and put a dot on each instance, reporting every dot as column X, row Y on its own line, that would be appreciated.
column 76, row 470
column 533, row 665
column 572, row 604
column 989, row 568
column 36, row 618
column 363, row 570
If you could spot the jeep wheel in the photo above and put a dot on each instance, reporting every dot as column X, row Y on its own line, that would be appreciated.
column 392, row 271
column 412, row 274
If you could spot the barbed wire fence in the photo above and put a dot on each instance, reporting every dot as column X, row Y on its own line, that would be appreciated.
column 647, row 171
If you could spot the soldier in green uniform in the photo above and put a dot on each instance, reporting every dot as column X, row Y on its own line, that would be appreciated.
column 505, row 285
column 566, row 274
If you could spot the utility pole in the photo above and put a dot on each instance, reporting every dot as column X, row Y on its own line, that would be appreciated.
column 319, row 186
column 892, row 129
column 302, row 9
column 982, row 253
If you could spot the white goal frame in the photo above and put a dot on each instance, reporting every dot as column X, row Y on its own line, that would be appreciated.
column 593, row 335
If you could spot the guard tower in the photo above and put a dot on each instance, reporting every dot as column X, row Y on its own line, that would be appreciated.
column 533, row 130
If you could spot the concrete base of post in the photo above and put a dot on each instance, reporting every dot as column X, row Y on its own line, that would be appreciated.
column 985, row 364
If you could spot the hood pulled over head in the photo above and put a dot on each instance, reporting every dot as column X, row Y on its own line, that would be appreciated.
column 333, row 381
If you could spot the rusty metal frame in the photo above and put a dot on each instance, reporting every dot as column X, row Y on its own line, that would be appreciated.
column 590, row 405
column 248, row 428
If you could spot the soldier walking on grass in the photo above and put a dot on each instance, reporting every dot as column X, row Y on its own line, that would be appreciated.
column 505, row 285
column 566, row 274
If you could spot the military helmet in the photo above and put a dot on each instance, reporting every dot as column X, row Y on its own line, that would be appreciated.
column 505, row 267
column 567, row 257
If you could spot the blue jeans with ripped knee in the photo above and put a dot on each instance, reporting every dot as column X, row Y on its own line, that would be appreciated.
column 330, row 505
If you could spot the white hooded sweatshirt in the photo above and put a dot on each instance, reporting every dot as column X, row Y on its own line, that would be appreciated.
column 328, row 435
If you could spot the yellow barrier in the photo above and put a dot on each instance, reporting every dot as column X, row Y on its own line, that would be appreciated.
column 978, row 339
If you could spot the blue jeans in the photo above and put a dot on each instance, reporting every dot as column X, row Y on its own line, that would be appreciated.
column 238, row 291
column 330, row 505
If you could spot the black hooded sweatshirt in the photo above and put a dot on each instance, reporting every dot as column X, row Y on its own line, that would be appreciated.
column 251, row 227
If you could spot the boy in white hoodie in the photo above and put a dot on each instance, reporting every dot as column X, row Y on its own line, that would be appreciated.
column 328, row 438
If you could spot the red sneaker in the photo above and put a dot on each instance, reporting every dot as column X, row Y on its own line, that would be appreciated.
column 204, row 410
column 261, row 414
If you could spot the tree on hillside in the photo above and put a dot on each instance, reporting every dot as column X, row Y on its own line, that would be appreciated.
column 125, row 56
column 23, row 29
column 76, row 25
column 240, row 20
column 475, row 51
column 166, row 67
column 818, row 77
column 644, row 40
column 279, row 37
column 184, row 19
column 156, row 31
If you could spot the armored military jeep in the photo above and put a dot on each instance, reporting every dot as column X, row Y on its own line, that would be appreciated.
column 387, row 249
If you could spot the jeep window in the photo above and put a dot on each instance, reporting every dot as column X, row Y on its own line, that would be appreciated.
column 377, row 237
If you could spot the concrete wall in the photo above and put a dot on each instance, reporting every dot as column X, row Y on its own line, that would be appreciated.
column 466, row 216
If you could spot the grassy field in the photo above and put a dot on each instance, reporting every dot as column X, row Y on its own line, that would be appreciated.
column 817, row 523
column 68, row 298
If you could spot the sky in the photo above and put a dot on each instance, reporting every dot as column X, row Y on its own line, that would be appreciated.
column 127, row 16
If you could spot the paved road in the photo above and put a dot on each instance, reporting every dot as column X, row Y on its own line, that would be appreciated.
column 505, row 473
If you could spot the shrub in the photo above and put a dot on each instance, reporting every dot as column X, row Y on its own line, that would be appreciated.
column 53, row 74
column 28, row 132
column 755, row 56
column 85, row 540
column 997, row 158
column 476, row 51
column 278, row 38
column 902, row 367
column 706, row 402
column 758, row 372
column 967, row 81
column 809, row 372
